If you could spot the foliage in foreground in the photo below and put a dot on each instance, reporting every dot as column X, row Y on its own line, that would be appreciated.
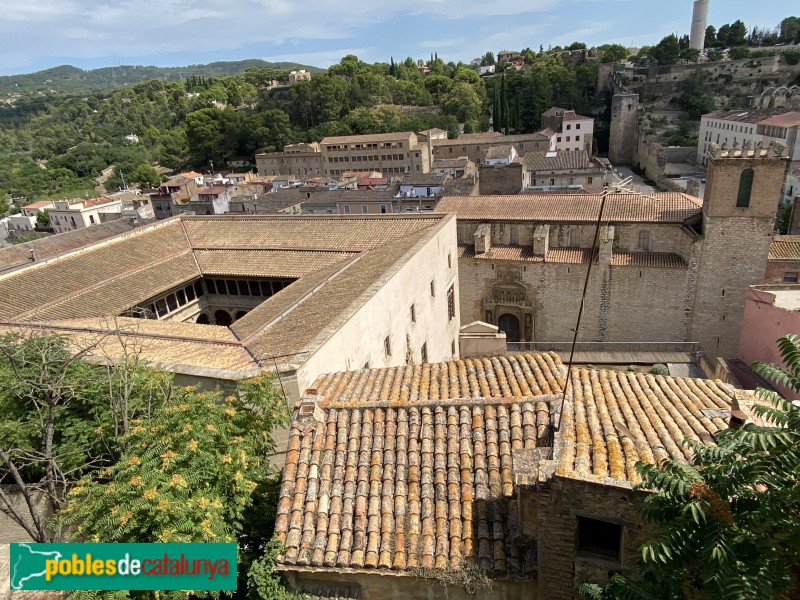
column 188, row 473
column 730, row 520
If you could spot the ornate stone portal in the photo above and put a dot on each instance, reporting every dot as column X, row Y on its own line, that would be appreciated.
column 511, row 305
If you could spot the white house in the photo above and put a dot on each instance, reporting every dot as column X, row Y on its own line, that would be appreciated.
column 69, row 215
column 500, row 155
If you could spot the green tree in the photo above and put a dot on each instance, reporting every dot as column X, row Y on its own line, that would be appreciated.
column 711, row 36
column 739, row 53
column 188, row 472
column 789, row 31
column 205, row 135
column 146, row 176
column 612, row 53
column 463, row 102
column 730, row 520
column 694, row 98
column 488, row 59
column 667, row 51
column 42, row 218
column 691, row 55
column 714, row 56
column 61, row 418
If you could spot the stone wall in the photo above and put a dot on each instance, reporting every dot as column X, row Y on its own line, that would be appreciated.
column 735, row 248
column 653, row 156
column 560, row 502
column 359, row 338
column 624, row 128
column 503, row 180
column 382, row 585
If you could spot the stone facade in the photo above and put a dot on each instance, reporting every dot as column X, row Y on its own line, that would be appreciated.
column 736, row 244
column 669, row 279
column 500, row 179
column 624, row 114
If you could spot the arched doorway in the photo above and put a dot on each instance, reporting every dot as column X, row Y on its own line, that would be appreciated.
column 240, row 314
column 202, row 319
column 222, row 318
column 510, row 324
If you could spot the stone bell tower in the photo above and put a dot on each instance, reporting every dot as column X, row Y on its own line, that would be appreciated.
column 742, row 193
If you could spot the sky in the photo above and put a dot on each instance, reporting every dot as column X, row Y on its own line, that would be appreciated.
column 38, row 34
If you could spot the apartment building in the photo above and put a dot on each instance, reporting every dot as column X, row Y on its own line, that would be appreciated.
column 392, row 154
column 753, row 126
column 68, row 215
column 299, row 160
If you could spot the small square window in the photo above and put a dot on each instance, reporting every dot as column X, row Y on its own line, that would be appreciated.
column 599, row 538
column 347, row 209
column 790, row 277
column 578, row 126
column 364, row 208
column 569, row 127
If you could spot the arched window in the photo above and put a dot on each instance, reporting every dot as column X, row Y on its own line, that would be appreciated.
column 745, row 187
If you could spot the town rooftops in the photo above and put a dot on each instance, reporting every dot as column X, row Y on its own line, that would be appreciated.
column 557, row 161
column 491, row 137
column 38, row 205
column 334, row 263
column 451, row 163
column 620, row 208
column 416, row 467
column 571, row 115
column 19, row 255
column 747, row 115
column 375, row 137
column 495, row 152
column 785, row 247
column 789, row 119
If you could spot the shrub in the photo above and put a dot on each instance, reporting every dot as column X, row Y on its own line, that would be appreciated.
column 659, row 369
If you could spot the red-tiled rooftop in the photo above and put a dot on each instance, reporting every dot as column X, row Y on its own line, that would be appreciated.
column 785, row 247
column 620, row 208
column 414, row 466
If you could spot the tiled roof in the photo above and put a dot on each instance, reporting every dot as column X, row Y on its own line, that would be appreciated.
column 270, row 203
column 38, row 205
column 557, row 161
column 63, row 277
column 20, row 254
column 463, row 186
column 420, row 473
column 785, row 247
column 498, row 152
column 80, row 290
column 266, row 263
column 554, row 111
column 451, row 163
column 746, row 115
column 661, row 260
column 331, row 197
column 490, row 137
column 790, row 119
column 431, row 179
column 571, row 115
column 367, row 139
column 664, row 260
column 339, row 232
column 617, row 419
column 497, row 377
column 620, row 208
column 304, row 325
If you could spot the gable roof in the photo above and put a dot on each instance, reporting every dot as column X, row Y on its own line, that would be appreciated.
column 19, row 255
column 414, row 467
column 620, row 208
column 103, row 280
column 557, row 161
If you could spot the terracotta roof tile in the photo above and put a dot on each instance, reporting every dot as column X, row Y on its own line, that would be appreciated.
column 266, row 263
column 661, row 260
column 341, row 233
column 785, row 247
column 20, row 254
column 557, row 161
column 620, row 208
column 366, row 139
column 617, row 419
column 399, row 483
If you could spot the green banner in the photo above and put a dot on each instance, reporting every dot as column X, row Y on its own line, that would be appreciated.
column 123, row 567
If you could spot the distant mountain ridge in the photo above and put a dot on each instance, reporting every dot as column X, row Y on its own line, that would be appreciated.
column 67, row 78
